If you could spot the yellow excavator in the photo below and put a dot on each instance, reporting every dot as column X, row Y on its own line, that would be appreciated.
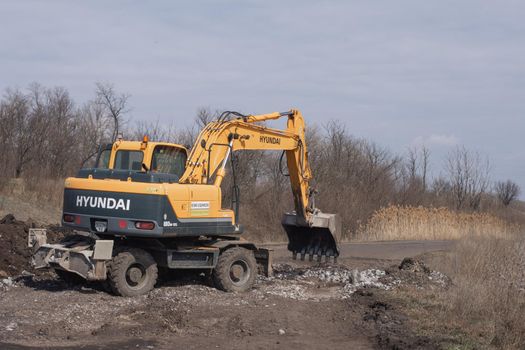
column 149, row 206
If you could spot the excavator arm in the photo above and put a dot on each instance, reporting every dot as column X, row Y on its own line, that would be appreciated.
column 309, row 231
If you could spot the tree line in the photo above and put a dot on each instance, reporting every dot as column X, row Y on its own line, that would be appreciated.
column 44, row 133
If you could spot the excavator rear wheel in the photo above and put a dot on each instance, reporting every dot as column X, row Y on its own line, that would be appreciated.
column 132, row 272
column 235, row 271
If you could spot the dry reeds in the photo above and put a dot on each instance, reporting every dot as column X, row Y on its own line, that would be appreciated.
column 404, row 223
column 488, row 294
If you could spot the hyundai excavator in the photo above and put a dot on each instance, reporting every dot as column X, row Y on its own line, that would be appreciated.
column 149, row 206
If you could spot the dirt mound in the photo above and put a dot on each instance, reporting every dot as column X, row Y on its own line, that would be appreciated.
column 14, row 253
column 413, row 265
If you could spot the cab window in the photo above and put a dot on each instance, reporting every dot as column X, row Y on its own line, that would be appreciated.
column 103, row 159
column 168, row 160
column 128, row 160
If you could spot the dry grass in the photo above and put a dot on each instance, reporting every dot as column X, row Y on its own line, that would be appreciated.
column 404, row 223
column 37, row 200
column 487, row 298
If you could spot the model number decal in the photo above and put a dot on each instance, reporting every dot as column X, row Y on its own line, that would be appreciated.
column 169, row 224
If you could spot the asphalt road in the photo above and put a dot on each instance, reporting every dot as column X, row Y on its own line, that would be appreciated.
column 384, row 250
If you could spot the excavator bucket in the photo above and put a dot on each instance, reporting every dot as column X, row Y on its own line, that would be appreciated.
column 319, row 239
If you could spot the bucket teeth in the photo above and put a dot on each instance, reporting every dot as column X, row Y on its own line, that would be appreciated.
column 317, row 256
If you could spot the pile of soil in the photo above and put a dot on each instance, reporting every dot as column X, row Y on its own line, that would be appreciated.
column 15, row 256
column 413, row 265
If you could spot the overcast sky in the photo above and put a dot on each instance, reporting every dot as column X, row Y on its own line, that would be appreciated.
column 400, row 73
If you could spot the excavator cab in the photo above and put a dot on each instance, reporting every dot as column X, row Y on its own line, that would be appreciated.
column 141, row 156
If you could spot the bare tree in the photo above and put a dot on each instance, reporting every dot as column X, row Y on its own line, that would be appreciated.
column 156, row 131
column 188, row 136
column 507, row 191
column 412, row 176
column 95, row 130
column 204, row 116
column 440, row 188
column 468, row 176
column 25, row 119
column 60, row 130
column 115, row 105
column 425, row 157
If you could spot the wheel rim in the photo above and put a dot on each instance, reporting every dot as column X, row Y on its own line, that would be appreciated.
column 239, row 272
column 135, row 276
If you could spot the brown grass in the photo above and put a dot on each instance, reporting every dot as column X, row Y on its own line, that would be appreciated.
column 404, row 223
column 487, row 298
column 37, row 200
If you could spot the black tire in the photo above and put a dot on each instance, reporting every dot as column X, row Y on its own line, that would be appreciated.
column 69, row 277
column 132, row 272
column 235, row 271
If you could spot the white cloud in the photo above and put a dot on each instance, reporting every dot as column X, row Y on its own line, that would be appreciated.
column 436, row 140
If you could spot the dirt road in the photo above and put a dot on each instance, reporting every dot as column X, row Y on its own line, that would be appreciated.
column 385, row 250
column 304, row 306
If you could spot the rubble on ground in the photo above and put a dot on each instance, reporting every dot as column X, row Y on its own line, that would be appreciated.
column 299, row 283
column 414, row 272
column 6, row 283
column 303, row 283
column 413, row 265
column 339, row 282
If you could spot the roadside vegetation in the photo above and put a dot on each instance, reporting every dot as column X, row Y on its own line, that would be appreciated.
column 484, row 305
column 46, row 136
column 488, row 297
column 421, row 223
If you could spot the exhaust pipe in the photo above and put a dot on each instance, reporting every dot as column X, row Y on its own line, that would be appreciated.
column 319, row 239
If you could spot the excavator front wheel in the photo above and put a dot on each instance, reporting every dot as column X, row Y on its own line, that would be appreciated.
column 236, row 270
column 132, row 272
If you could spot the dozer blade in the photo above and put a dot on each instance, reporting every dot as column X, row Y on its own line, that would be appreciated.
column 320, row 239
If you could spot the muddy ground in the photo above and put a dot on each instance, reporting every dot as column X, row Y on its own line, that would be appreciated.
column 351, row 304
column 14, row 253
column 300, row 308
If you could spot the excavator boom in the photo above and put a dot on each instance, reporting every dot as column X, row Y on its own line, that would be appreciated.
column 309, row 230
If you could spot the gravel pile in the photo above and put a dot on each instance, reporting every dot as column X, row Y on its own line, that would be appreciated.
column 439, row 278
column 303, row 283
column 370, row 278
